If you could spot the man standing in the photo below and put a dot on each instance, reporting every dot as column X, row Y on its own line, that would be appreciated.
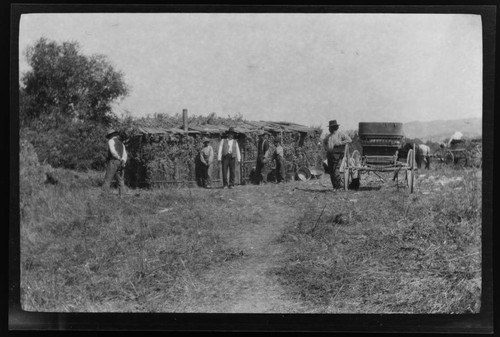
column 228, row 153
column 206, row 159
column 334, row 145
column 115, row 162
column 279, row 158
column 262, row 158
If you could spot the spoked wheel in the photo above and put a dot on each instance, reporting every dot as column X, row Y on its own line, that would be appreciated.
column 438, row 158
column 449, row 158
column 347, row 174
column 347, row 168
column 356, row 161
column 410, row 169
column 463, row 160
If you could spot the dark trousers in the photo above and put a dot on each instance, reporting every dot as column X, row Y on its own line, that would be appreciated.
column 427, row 162
column 114, row 169
column 334, row 161
column 228, row 163
column 280, row 170
column 260, row 170
column 205, row 179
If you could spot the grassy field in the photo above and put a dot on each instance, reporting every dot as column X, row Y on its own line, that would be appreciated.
column 292, row 248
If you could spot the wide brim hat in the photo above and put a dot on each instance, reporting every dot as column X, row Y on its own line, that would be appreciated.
column 333, row 123
column 111, row 132
column 230, row 130
column 205, row 140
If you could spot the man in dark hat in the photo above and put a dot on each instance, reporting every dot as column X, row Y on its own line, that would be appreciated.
column 334, row 145
column 115, row 162
column 262, row 157
column 206, row 160
column 228, row 154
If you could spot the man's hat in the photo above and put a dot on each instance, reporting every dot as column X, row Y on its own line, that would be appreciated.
column 333, row 123
column 277, row 140
column 231, row 130
column 111, row 132
column 205, row 140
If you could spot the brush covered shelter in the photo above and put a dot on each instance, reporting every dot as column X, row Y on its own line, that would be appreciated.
column 167, row 156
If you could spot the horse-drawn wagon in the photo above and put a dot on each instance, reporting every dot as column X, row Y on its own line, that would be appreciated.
column 461, row 152
column 380, row 143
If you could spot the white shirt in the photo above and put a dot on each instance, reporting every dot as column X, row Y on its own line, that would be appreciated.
column 426, row 151
column 112, row 149
column 230, row 145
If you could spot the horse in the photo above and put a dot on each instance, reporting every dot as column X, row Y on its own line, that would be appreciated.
column 426, row 155
column 406, row 147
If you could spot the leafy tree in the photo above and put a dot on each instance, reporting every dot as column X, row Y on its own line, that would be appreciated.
column 63, row 84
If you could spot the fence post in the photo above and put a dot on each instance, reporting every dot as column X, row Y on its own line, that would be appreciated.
column 185, row 119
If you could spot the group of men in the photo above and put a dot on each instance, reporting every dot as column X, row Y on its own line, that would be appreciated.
column 263, row 158
column 229, row 153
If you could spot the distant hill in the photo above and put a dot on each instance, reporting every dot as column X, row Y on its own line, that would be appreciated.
column 440, row 129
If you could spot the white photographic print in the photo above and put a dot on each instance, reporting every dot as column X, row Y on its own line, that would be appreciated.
column 277, row 163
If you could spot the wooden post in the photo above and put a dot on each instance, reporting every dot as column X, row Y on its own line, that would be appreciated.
column 185, row 119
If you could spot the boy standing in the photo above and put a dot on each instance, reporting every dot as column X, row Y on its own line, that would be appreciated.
column 280, row 161
column 206, row 159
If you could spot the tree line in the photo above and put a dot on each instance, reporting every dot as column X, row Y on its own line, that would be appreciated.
column 65, row 103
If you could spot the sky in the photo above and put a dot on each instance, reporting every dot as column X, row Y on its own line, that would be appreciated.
column 301, row 68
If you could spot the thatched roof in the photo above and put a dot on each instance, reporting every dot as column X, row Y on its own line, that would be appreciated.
column 243, row 127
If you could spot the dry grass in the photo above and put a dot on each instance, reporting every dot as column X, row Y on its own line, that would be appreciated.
column 394, row 253
column 158, row 251
column 81, row 250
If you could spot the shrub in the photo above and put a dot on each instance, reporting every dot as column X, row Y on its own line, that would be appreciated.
column 73, row 145
column 31, row 173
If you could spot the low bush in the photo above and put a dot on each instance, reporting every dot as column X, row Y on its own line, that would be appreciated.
column 72, row 145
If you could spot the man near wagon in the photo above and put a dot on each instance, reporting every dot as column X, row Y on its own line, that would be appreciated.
column 115, row 162
column 228, row 154
column 262, row 158
column 206, row 159
column 334, row 145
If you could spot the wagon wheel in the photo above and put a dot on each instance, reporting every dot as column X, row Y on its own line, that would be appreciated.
column 449, row 158
column 356, row 162
column 438, row 158
column 347, row 168
column 464, row 159
column 438, row 155
column 410, row 169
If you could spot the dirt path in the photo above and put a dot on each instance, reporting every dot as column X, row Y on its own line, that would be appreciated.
column 249, row 285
